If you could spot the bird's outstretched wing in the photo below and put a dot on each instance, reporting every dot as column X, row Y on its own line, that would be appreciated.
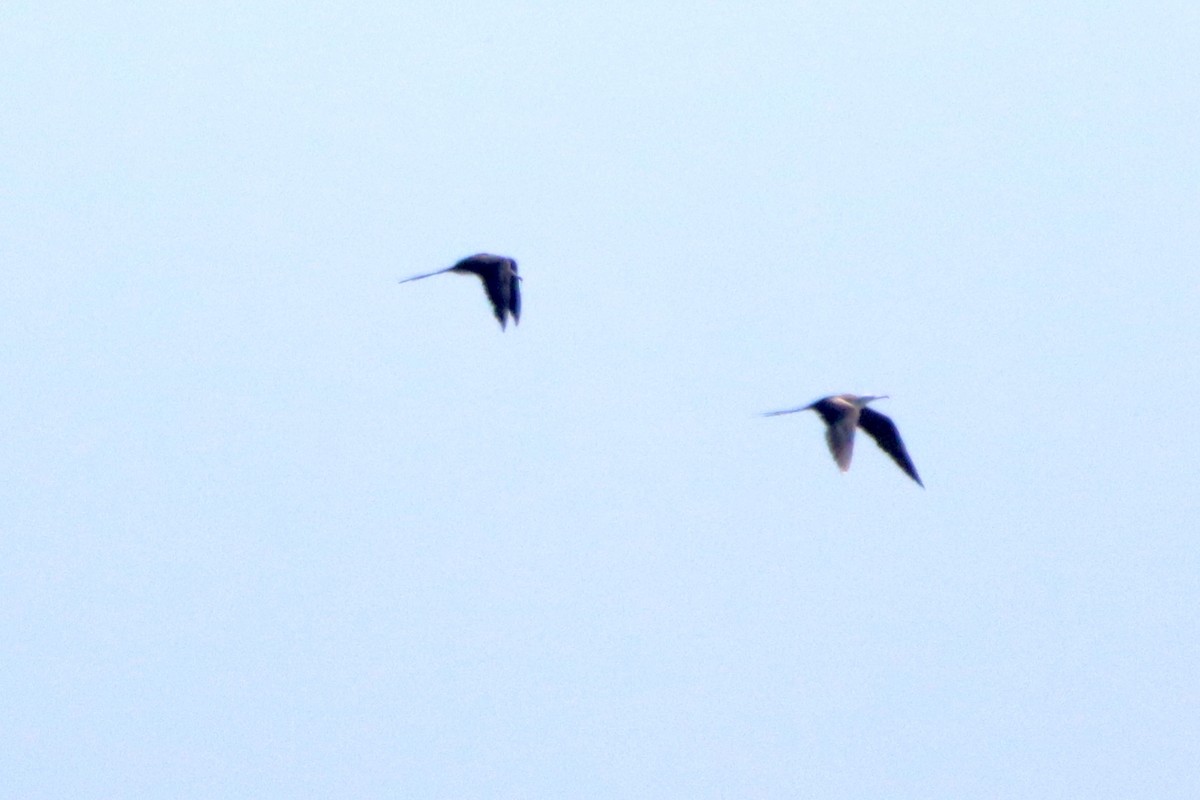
column 840, row 438
column 498, row 293
column 514, row 300
column 884, row 432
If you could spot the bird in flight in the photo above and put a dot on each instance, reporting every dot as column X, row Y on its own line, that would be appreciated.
column 845, row 412
column 500, row 281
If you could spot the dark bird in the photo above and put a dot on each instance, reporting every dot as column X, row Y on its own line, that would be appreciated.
column 500, row 281
column 845, row 412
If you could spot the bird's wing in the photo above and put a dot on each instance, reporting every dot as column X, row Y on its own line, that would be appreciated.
column 514, row 300
column 498, row 292
column 840, row 436
column 884, row 432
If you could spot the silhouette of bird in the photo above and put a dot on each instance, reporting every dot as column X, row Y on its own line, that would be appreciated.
column 845, row 412
column 500, row 281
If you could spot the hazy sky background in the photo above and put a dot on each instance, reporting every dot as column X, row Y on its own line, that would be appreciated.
column 276, row 526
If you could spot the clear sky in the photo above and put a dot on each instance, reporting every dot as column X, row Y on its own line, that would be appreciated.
column 273, row 525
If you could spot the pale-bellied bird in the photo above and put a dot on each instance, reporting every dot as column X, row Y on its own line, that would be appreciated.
column 845, row 412
column 500, row 281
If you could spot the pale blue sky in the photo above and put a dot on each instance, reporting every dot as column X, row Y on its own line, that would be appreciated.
column 276, row 526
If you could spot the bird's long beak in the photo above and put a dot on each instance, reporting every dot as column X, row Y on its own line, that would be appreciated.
column 784, row 411
column 425, row 275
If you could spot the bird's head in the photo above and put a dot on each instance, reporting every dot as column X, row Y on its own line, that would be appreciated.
column 868, row 398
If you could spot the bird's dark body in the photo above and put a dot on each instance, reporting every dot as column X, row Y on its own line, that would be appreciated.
column 500, row 281
column 843, row 413
column 829, row 412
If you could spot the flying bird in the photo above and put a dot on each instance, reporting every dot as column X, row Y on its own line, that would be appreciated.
column 500, row 281
column 845, row 412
